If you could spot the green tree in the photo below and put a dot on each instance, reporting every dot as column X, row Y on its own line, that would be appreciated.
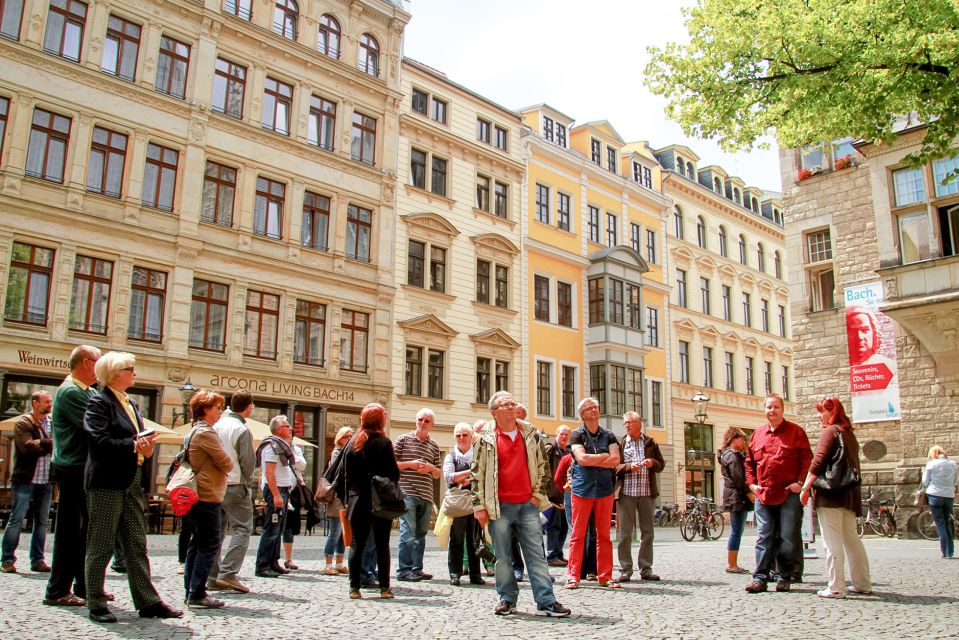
column 814, row 70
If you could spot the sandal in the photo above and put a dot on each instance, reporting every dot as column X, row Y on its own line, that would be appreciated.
column 572, row 584
column 289, row 565
column 609, row 584
column 737, row 570
column 330, row 571
column 342, row 570
column 68, row 600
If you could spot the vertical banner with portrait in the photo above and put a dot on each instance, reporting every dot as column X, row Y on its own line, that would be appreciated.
column 873, row 370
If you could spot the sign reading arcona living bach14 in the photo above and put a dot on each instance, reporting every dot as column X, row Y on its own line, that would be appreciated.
column 873, row 370
column 296, row 391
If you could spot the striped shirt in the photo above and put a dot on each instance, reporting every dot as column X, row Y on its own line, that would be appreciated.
column 409, row 448
column 635, row 483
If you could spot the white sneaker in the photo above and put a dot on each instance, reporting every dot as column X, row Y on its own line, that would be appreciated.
column 826, row 593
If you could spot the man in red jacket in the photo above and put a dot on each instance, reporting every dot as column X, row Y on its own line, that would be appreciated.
column 777, row 460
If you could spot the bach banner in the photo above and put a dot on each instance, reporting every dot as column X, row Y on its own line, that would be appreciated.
column 873, row 370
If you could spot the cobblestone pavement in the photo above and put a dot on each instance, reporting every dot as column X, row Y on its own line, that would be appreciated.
column 916, row 597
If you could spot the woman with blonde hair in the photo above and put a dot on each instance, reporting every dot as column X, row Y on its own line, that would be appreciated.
column 939, row 479
column 737, row 498
column 334, row 540
column 465, row 529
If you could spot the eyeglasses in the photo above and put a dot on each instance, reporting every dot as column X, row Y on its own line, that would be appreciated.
column 509, row 404
column 129, row 369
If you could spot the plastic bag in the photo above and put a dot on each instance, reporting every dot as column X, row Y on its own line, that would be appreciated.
column 442, row 529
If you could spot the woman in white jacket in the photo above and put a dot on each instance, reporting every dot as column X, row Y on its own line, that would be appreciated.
column 939, row 479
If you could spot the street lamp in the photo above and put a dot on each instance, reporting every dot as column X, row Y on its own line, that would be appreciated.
column 700, row 402
column 186, row 392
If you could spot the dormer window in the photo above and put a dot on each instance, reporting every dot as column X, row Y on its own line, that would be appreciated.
column 680, row 166
column 717, row 185
column 596, row 151
column 737, row 197
column 689, row 171
column 611, row 159
column 548, row 128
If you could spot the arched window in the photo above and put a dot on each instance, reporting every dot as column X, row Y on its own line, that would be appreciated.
column 701, row 232
column 717, row 185
column 678, row 222
column 285, row 13
column 328, row 36
column 723, row 243
column 742, row 249
column 778, row 262
column 736, row 197
column 755, row 205
column 777, row 216
column 680, row 166
column 761, row 257
column 689, row 171
column 369, row 55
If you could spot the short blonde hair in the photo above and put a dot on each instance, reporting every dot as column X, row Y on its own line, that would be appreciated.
column 110, row 365
column 462, row 427
column 342, row 434
column 935, row 451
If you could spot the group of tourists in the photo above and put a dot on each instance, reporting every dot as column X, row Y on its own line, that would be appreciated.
column 504, row 471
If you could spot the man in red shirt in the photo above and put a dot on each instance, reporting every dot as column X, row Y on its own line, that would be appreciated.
column 777, row 460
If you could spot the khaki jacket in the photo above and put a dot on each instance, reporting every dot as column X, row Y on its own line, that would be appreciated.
column 485, row 470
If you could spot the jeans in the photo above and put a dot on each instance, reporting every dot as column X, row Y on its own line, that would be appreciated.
column 204, row 546
column 556, row 535
column 33, row 498
column 413, row 527
column 274, row 519
column 523, row 519
column 334, row 541
column 737, row 522
column 941, row 509
column 779, row 539
column 69, row 541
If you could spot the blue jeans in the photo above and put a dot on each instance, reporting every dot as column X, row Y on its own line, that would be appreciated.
column 334, row 541
column 941, row 509
column 556, row 534
column 204, row 545
column 779, row 539
column 413, row 527
column 34, row 498
column 737, row 522
column 523, row 520
column 274, row 519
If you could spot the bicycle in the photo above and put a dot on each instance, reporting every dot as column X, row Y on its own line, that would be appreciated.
column 926, row 524
column 666, row 515
column 880, row 520
column 703, row 519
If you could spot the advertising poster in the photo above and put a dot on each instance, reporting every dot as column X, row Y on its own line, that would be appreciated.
column 873, row 370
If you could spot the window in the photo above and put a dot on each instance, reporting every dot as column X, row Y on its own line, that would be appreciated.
column 615, row 292
column 239, row 8
column 484, row 378
column 736, row 196
column 612, row 231
column 596, row 151
column 730, row 371
column 597, row 383
column 438, row 177
column 908, row 186
column 501, row 199
column 949, row 227
column 617, row 388
column 611, row 159
column 368, row 59
column 942, row 168
column 28, row 285
column 354, row 335
column 701, row 232
column 363, row 142
column 750, row 388
column 328, row 36
column 727, row 303
column 764, row 315
column 173, row 63
column 568, row 392
column 541, row 298
column 544, row 388
column 914, row 237
column 592, row 224
column 681, row 288
column 684, row 361
column 707, row 366
column 778, row 264
column 542, row 203
column 680, row 166
column 47, row 151
column 782, row 321
column 438, row 110
column 414, row 371
column 120, row 48
column 742, row 249
column 277, row 103
column 309, row 334
column 785, row 382
column 434, row 374
column 761, row 258
column 548, row 128
column 415, row 270
column 229, row 87
column 502, row 375
column 768, row 377
column 634, row 307
column 285, row 13
column 316, row 221
column 651, row 246
column 159, row 177
column 500, row 283
column 678, row 223
column 634, row 233
column 11, row 16
column 208, row 315
column 820, row 276
column 652, row 327
column 704, row 295
column 656, row 403
column 717, row 185
column 65, row 23
column 562, row 211
column 822, row 286
column 483, row 129
column 268, row 208
column 418, row 163
column 561, row 134
column 564, row 304
column 4, row 112
column 723, row 243
column 482, row 193
column 359, row 228
column 108, row 152
column 418, row 168
column 262, row 319
column 747, row 308
column 219, row 190
column 321, row 127
column 500, row 138
column 147, row 302
column 596, row 301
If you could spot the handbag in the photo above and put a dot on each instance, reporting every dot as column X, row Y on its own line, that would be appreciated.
column 388, row 500
column 324, row 491
column 181, row 488
column 921, row 500
column 458, row 502
column 838, row 475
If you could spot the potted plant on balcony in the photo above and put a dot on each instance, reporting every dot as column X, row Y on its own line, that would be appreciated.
column 843, row 163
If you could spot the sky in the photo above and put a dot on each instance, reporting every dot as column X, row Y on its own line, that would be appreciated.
column 585, row 59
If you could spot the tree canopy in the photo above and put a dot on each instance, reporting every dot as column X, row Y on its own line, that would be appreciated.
column 814, row 70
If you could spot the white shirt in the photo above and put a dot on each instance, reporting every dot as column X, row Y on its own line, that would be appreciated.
column 939, row 477
column 284, row 473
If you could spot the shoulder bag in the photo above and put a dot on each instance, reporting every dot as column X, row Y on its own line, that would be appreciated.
column 458, row 502
column 839, row 475
column 388, row 500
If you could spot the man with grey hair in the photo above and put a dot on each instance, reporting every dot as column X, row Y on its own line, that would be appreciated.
column 509, row 489
column 276, row 457
column 418, row 457
column 636, row 494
